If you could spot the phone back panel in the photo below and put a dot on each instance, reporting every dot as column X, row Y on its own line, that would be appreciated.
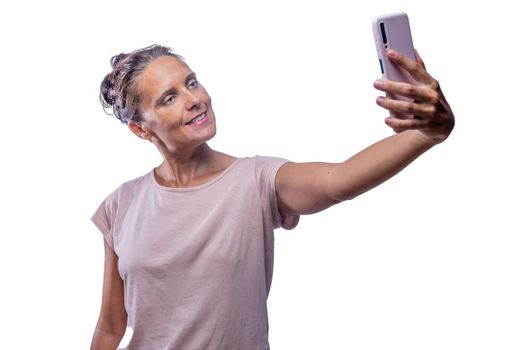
column 392, row 31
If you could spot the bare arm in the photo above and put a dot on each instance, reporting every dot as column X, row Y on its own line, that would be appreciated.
column 112, row 321
column 305, row 188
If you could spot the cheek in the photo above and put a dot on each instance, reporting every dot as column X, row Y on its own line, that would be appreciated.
column 170, row 116
column 156, row 125
column 205, row 96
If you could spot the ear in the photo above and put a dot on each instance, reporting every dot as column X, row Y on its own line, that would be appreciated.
column 139, row 130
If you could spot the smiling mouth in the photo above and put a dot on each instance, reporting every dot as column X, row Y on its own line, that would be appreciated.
column 197, row 119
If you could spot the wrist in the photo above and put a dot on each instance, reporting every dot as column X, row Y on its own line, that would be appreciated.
column 421, row 140
column 431, row 139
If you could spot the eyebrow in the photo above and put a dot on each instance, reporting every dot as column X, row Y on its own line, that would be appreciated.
column 172, row 90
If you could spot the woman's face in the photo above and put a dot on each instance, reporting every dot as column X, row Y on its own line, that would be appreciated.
column 175, row 107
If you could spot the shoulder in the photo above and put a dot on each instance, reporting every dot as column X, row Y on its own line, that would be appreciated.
column 129, row 188
column 269, row 161
column 137, row 182
column 260, row 166
column 260, row 158
column 268, row 166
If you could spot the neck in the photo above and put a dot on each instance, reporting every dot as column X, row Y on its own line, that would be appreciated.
column 183, row 170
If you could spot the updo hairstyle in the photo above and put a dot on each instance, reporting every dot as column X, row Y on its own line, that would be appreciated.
column 118, row 91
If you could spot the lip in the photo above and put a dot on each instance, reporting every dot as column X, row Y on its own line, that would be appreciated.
column 206, row 118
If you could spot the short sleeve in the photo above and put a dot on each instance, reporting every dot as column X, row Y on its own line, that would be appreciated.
column 266, row 169
column 104, row 217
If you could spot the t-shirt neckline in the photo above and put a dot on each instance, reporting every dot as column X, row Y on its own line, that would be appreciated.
column 195, row 188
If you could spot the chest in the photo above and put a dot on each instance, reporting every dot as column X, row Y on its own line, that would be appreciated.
column 191, row 235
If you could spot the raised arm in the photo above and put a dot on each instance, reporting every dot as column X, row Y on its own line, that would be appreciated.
column 306, row 188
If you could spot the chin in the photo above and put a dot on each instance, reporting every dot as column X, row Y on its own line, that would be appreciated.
column 212, row 129
column 209, row 134
column 213, row 132
column 203, row 133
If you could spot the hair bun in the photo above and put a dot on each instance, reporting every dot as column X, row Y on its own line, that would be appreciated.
column 117, row 58
column 107, row 92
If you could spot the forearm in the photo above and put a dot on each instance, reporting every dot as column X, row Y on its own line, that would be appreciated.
column 103, row 340
column 377, row 163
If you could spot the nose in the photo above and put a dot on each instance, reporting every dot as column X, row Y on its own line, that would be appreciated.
column 192, row 100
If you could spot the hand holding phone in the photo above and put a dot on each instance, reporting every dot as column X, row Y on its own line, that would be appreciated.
column 426, row 109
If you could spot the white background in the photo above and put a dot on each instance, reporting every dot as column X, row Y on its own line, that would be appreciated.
column 433, row 259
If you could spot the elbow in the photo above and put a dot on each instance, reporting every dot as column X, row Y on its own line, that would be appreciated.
column 104, row 339
column 342, row 196
column 340, row 193
column 338, row 196
column 348, row 188
column 113, row 327
column 113, row 332
column 339, row 186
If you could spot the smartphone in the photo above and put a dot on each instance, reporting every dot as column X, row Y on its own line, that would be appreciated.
column 392, row 31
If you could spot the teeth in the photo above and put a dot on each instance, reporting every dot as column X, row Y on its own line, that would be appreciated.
column 197, row 119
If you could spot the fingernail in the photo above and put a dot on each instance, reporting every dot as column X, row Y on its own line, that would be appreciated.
column 390, row 121
column 392, row 53
column 377, row 83
column 380, row 100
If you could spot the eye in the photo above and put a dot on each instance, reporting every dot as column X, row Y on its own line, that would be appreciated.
column 191, row 84
column 168, row 100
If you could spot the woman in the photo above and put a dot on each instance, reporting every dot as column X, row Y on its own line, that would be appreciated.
column 189, row 246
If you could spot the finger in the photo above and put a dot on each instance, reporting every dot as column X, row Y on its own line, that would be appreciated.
column 421, row 93
column 416, row 70
column 419, row 60
column 399, row 125
column 423, row 110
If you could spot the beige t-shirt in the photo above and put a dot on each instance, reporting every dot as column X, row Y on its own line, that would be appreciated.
column 197, row 262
